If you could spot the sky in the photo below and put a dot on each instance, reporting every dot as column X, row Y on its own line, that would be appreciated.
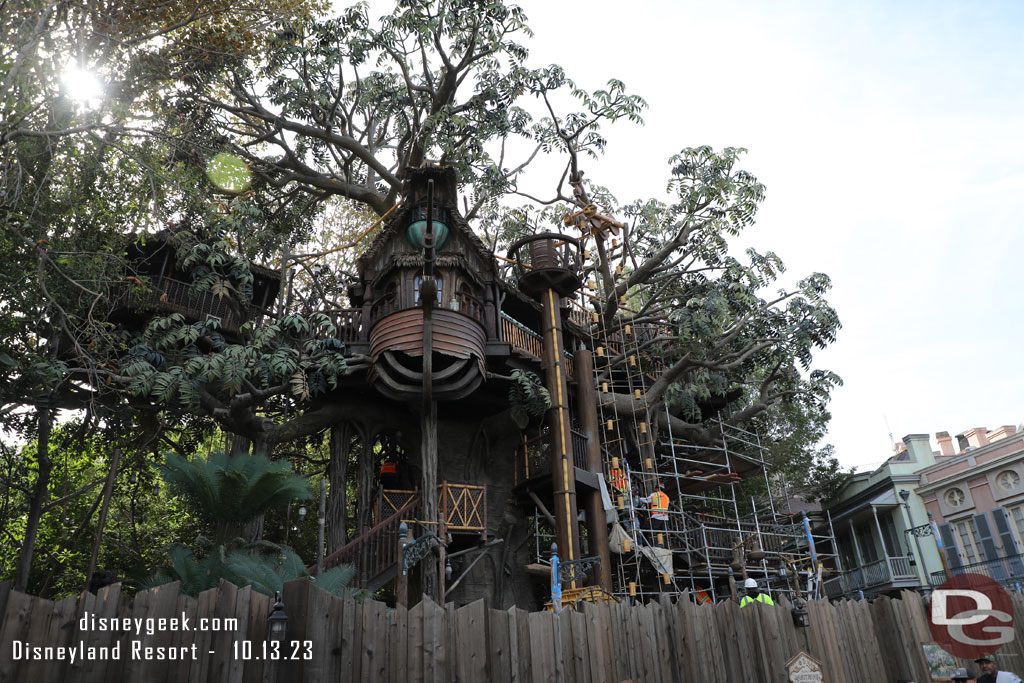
column 889, row 138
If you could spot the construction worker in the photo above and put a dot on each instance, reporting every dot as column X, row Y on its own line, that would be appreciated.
column 389, row 475
column 658, row 502
column 617, row 478
column 754, row 594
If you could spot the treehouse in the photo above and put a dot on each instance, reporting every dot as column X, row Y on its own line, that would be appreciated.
column 463, row 477
column 164, row 288
column 452, row 289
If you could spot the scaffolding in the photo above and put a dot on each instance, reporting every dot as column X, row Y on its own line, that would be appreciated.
column 712, row 537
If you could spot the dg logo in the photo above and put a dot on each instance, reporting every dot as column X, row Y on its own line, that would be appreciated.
column 971, row 616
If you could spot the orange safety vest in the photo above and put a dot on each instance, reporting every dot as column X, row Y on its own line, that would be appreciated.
column 702, row 597
column 659, row 502
column 618, row 479
column 388, row 468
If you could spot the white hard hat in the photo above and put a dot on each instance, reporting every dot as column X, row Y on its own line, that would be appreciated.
column 750, row 583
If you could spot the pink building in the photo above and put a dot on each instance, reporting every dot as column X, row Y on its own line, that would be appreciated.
column 975, row 494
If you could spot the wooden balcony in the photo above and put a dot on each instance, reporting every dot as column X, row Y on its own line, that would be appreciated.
column 528, row 343
column 533, row 458
column 177, row 296
column 891, row 573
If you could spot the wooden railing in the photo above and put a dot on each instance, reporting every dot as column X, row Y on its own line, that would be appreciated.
column 391, row 501
column 871, row 575
column 348, row 321
column 376, row 551
column 533, row 456
column 529, row 342
column 178, row 296
column 521, row 337
column 463, row 507
column 579, row 449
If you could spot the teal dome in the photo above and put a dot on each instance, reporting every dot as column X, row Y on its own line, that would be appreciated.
column 417, row 228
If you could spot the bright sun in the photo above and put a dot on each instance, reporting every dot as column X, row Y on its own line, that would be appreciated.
column 82, row 86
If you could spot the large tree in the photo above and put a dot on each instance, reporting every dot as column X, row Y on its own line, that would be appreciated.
column 325, row 113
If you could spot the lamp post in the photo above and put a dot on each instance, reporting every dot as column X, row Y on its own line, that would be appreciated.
column 905, row 495
column 277, row 622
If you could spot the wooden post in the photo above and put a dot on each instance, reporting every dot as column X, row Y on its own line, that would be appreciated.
column 597, row 527
column 428, row 443
column 402, row 580
column 562, row 469
column 321, row 521
column 108, row 489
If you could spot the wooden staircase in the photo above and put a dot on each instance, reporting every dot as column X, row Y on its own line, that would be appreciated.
column 375, row 554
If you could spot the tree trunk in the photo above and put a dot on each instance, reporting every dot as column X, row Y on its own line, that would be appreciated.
column 364, row 485
column 429, row 575
column 40, row 495
column 236, row 444
column 337, row 473
column 253, row 529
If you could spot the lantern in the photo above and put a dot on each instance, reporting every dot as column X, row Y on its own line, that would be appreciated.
column 277, row 622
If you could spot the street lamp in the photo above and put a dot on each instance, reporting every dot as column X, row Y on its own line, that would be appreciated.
column 277, row 622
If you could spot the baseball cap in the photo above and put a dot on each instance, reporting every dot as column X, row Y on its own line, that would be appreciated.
column 984, row 658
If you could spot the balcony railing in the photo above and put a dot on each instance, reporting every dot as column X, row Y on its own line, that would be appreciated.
column 533, row 457
column 1004, row 570
column 178, row 296
column 463, row 507
column 521, row 337
column 871, row 575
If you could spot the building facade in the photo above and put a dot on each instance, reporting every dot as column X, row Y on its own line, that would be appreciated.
column 876, row 518
column 975, row 494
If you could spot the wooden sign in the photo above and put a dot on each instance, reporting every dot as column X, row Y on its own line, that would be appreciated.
column 804, row 668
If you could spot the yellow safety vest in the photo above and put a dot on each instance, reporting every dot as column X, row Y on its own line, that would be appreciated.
column 761, row 597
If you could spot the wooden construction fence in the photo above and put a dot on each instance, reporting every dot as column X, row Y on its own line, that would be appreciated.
column 367, row 641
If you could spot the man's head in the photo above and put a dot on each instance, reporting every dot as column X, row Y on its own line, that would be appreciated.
column 962, row 675
column 987, row 664
column 750, row 585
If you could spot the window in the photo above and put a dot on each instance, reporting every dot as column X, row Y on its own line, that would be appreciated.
column 966, row 534
column 1017, row 517
column 416, row 288
column 955, row 498
column 1008, row 480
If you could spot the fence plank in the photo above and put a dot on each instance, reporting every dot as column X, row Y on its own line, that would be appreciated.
column 541, row 647
column 526, row 653
column 256, row 633
column 436, row 633
column 320, row 629
column 417, row 638
column 499, row 669
column 577, row 624
column 597, row 651
column 220, row 640
column 373, row 652
column 471, row 629
column 36, row 628
column 399, row 646
column 106, row 608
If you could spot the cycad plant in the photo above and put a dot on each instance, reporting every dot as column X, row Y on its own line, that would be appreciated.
column 230, row 491
column 227, row 492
